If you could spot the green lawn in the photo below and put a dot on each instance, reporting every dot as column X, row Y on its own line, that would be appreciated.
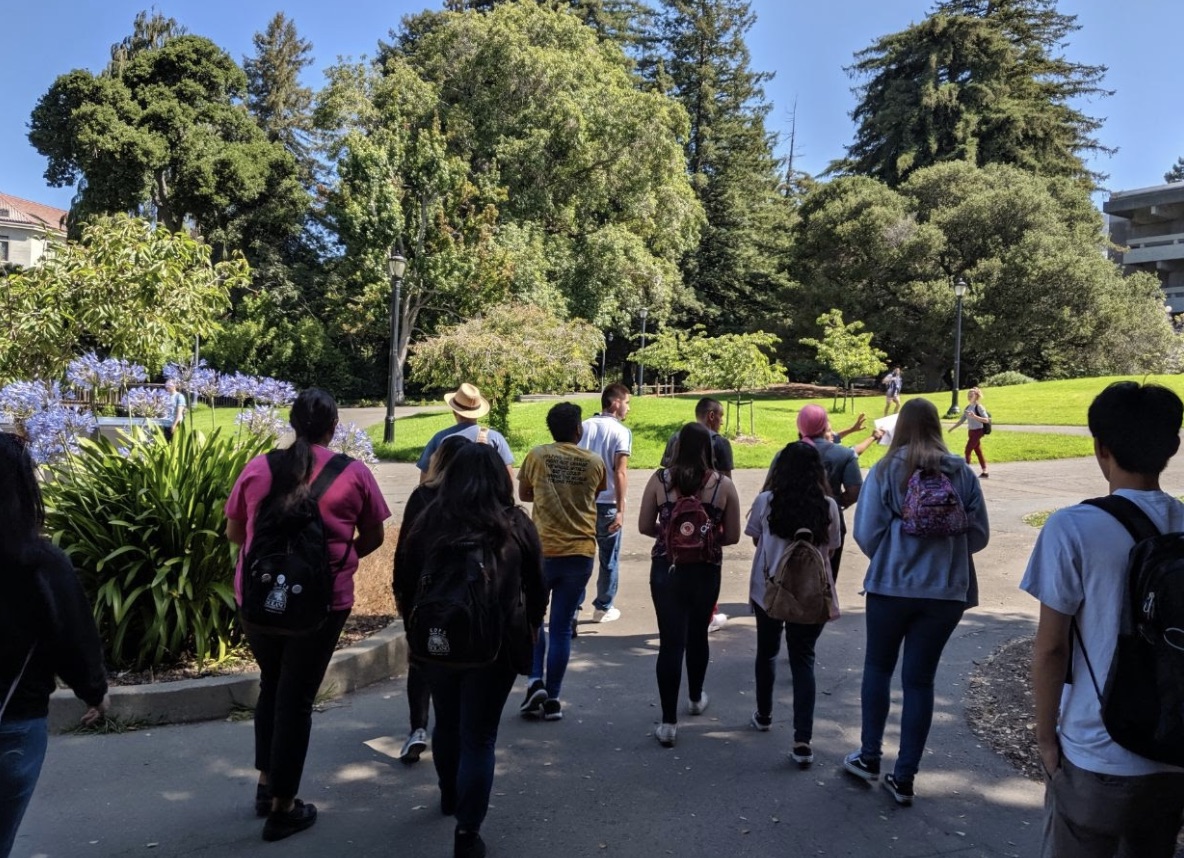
column 654, row 419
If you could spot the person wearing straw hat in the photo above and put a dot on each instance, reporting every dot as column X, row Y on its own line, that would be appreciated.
column 468, row 405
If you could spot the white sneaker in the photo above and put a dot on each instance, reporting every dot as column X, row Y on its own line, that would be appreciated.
column 718, row 621
column 698, row 707
column 599, row 616
column 416, row 744
column 666, row 734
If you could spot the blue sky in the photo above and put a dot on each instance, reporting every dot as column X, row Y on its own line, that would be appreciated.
column 805, row 43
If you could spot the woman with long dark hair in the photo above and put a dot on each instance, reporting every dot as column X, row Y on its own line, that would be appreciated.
column 685, row 593
column 46, row 628
column 798, row 497
column 291, row 667
column 419, row 697
column 474, row 505
column 917, row 589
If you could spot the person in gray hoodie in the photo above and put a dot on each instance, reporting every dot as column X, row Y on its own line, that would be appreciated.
column 917, row 589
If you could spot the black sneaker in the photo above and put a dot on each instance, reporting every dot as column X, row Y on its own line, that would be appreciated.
column 536, row 694
column 281, row 824
column 902, row 791
column 861, row 768
column 468, row 844
column 762, row 722
column 802, row 754
column 552, row 709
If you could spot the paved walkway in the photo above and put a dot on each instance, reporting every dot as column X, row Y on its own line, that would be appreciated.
column 597, row 783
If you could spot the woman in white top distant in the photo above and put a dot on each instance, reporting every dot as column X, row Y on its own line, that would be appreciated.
column 798, row 497
column 976, row 419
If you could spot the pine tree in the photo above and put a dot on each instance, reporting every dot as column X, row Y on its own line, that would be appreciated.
column 737, row 270
column 1176, row 174
column 981, row 81
column 275, row 97
column 148, row 32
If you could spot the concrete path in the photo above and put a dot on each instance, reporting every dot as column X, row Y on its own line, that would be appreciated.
column 597, row 783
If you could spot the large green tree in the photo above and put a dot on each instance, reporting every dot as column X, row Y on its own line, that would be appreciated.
column 737, row 270
column 507, row 153
column 1044, row 299
column 982, row 81
column 165, row 132
column 275, row 96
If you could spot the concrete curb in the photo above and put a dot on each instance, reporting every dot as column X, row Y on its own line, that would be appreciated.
column 378, row 657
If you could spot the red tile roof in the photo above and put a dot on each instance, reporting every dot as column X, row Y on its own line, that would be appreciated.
column 28, row 213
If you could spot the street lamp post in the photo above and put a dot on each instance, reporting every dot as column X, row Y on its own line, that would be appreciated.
column 396, row 265
column 645, row 311
column 959, row 292
column 608, row 338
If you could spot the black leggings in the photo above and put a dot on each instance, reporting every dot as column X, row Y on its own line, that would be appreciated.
column 291, row 668
column 683, row 601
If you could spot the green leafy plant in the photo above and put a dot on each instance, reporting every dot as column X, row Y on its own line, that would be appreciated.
column 1006, row 379
column 145, row 529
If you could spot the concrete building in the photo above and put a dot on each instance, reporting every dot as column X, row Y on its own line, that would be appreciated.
column 1149, row 223
column 27, row 229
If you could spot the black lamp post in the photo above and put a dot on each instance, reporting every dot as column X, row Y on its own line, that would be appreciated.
column 645, row 311
column 396, row 265
column 959, row 292
column 608, row 338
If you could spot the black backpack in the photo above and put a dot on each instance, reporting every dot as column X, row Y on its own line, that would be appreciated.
column 287, row 574
column 1143, row 699
column 457, row 620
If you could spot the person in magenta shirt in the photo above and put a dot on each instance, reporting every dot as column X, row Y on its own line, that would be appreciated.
column 291, row 667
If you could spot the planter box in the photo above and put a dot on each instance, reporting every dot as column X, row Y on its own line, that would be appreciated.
column 121, row 429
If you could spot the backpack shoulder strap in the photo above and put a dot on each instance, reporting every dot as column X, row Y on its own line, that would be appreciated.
column 1129, row 514
column 483, row 435
column 718, row 479
column 332, row 470
column 662, row 475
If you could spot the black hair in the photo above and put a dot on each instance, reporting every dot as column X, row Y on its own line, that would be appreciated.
column 564, row 422
column 473, row 500
column 443, row 457
column 21, row 508
column 1139, row 424
column 313, row 416
column 705, row 406
column 800, row 492
column 692, row 458
column 611, row 394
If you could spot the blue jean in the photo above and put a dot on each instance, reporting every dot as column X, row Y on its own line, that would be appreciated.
column 468, row 705
column 608, row 551
column 683, row 600
column 565, row 578
column 799, row 641
column 22, row 751
column 922, row 626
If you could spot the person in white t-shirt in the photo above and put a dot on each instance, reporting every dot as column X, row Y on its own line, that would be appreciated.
column 1101, row 799
column 606, row 435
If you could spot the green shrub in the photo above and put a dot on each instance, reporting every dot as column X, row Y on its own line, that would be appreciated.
column 1006, row 379
column 147, row 533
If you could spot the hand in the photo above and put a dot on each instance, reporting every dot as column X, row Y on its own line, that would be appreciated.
column 1050, row 757
column 877, row 434
column 859, row 421
column 618, row 522
column 93, row 713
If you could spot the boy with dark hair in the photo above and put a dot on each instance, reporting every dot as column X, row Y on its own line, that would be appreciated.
column 1100, row 798
column 606, row 435
column 562, row 481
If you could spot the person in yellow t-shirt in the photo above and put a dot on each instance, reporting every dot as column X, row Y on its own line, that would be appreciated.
column 562, row 481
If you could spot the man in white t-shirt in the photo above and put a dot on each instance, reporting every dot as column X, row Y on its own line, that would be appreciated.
column 1101, row 799
column 606, row 435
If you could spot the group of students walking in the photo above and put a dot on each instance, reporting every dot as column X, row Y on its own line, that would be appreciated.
column 1102, row 799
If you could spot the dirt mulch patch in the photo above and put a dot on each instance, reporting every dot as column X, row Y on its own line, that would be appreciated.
column 374, row 610
column 795, row 390
column 1001, row 710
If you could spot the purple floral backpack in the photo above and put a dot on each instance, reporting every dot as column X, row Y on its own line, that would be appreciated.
column 932, row 507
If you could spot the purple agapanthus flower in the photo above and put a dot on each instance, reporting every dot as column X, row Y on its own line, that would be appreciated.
column 262, row 421
column 353, row 441
column 55, row 431
column 270, row 391
column 146, row 402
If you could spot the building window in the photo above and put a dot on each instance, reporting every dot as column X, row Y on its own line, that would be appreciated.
column 3, row 248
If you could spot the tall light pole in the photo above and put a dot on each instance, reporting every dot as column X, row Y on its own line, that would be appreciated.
column 396, row 265
column 645, row 311
column 608, row 338
column 959, row 292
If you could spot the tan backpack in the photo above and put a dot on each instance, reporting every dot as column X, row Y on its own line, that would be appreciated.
column 800, row 588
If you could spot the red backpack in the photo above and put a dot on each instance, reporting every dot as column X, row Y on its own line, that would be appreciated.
column 690, row 534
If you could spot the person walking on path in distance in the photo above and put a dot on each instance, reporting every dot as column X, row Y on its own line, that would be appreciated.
column 710, row 413
column 684, row 592
column 976, row 419
column 474, row 505
column 605, row 434
column 892, row 383
column 1101, row 799
column 799, row 497
column 562, row 481
column 175, row 412
column 419, row 698
column 291, row 667
column 46, row 629
column 468, row 406
column 917, row 590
